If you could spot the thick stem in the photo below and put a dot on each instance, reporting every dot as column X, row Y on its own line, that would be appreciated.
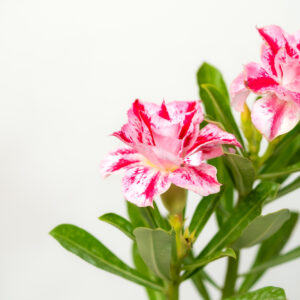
column 231, row 276
column 173, row 291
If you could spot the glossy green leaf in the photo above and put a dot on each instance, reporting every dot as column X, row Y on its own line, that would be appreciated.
column 142, row 268
column 261, row 228
column 209, row 258
column 283, row 158
column 159, row 219
column 209, row 74
column 295, row 184
column 87, row 247
column 203, row 212
column 156, row 247
column 216, row 105
column 277, row 260
column 266, row 293
column 241, row 217
column 269, row 249
column 135, row 216
column 226, row 203
column 119, row 222
column 283, row 151
column 242, row 171
column 282, row 172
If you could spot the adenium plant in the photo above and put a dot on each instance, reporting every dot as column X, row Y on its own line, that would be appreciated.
column 197, row 146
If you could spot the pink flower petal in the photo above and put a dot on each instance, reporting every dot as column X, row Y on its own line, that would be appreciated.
column 258, row 80
column 239, row 92
column 210, row 139
column 201, row 180
column 268, row 58
column 139, row 124
column 274, row 36
column 141, row 184
column 273, row 117
column 194, row 160
column 118, row 160
column 289, row 70
column 163, row 113
column 178, row 109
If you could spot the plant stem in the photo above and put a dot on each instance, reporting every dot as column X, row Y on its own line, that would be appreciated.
column 173, row 291
column 231, row 276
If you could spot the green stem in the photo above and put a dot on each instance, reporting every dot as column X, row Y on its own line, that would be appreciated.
column 231, row 276
column 173, row 291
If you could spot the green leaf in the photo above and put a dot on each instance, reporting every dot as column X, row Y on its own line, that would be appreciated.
column 159, row 219
column 135, row 216
column 285, row 171
column 266, row 293
column 217, row 106
column 87, row 247
column 261, row 228
column 226, row 203
column 156, row 247
column 269, row 249
column 119, row 222
column 241, row 217
column 209, row 258
column 203, row 212
column 242, row 171
column 284, row 156
column 142, row 268
column 278, row 260
column 285, row 148
column 289, row 188
column 209, row 74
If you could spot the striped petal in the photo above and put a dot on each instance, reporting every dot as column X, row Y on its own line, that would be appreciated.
column 273, row 116
column 210, row 140
column 118, row 160
column 239, row 92
column 141, row 184
column 201, row 180
column 258, row 80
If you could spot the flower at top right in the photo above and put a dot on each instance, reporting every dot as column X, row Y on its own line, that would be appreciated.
column 276, row 79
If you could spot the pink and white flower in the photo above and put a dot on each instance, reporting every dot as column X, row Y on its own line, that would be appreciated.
column 165, row 146
column 277, row 79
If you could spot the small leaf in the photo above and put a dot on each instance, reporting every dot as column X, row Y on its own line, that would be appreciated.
column 142, row 268
column 209, row 74
column 87, row 247
column 242, row 171
column 278, row 260
column 269, row 249
column 209, row 258
column 156, row 248
column 270, row 292
column 216, row 105
column 240, row 218
column 118, row 222
column 159, row 219
column 289, row 188
column 261, row 228
column 285, row 171
column 203, row 212
column 135, row 216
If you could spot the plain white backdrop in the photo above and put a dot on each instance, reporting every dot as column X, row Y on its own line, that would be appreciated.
column 69, row 70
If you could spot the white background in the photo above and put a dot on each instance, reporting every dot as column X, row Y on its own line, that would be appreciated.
column 69, row 70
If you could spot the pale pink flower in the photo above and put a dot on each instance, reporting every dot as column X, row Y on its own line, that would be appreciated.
column 276, row 79
column 164, row 146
